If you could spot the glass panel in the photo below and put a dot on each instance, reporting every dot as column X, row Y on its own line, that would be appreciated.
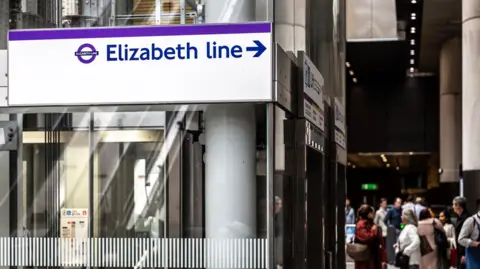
column 123, row 189
column 283, row 188
column 86, row 13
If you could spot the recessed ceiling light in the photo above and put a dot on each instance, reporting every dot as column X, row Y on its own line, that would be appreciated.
column 412, row 42
column 388, row 165
column 412, row 61
column 413, row 14
column 347, row 64
column 412, row 69
column 398, row 168
column 354, row 166
column 412, row 30
column 354, row 80
column 412, row 52
column 414, row 1
column 351, row 72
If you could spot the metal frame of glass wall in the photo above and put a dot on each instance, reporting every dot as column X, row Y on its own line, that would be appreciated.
column 56, row 135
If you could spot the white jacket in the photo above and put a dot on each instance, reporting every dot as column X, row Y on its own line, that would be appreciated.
column 409, row 243
column 380, row 220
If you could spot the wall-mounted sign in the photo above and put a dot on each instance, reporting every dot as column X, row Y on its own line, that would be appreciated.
column 313, row 137
column 74, row 234
column 313, row 92
column 141, row 65
column 339, row 113
column 369, row 187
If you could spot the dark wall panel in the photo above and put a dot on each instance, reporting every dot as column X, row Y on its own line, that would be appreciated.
column 393, row 117
column 366, row 117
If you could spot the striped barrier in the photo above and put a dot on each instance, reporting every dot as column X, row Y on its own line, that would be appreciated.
column 134, row 252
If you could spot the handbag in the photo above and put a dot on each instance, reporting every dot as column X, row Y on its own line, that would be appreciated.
column 401, row 260
column 472, row 257
column 453, row 257
column 425, row 247
column 440, row 237
column 358, row 252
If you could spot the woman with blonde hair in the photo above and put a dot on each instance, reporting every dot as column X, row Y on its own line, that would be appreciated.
column 408, row 243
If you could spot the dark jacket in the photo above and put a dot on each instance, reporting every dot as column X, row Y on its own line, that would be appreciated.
column 460, row 249
column 394, row 217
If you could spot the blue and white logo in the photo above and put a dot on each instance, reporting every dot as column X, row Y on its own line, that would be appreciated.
column 308, row 75
column 86, row 53
column 68, row 213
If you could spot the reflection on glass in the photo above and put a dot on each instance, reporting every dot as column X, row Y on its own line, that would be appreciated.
column 152, row 188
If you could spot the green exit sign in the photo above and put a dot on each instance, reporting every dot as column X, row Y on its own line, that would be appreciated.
column 369, row 187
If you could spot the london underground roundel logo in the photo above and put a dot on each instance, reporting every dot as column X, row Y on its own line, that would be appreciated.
column 86, row 53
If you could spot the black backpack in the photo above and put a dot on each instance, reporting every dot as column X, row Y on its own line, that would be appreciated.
column 440, row 238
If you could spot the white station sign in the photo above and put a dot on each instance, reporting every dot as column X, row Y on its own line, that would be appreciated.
column 140, row 65
column 340, row 124
column 313, row 89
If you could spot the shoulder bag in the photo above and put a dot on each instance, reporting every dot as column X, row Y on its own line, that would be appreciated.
column 358, row 252
column 401, row 260
column 441, row 240
column 425, row 247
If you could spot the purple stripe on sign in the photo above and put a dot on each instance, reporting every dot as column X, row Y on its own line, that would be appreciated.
column 112, row 32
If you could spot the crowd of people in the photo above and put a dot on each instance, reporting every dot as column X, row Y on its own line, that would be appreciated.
column 417, row 237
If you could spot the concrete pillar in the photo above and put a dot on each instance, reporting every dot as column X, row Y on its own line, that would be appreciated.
column 230, row 174
column 230, row 153
column 450, row 110
column 471, row 101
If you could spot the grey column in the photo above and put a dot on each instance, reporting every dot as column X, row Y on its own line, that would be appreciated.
column 471, row 101
column 230, row 154
column 450, row 110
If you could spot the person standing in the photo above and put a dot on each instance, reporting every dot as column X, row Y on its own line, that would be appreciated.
column 380, row 217
column 409, row 242
column 426, row 227
column 366, row 233
column 394, row 215
column 469, row 238
column 410, row 204
column 419, row 206
column 445, row 219
column 459, row 206
column 349, row 213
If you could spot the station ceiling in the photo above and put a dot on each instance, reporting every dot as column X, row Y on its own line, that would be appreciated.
column 397, row 160
column 436, row 22
column 441, row 22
